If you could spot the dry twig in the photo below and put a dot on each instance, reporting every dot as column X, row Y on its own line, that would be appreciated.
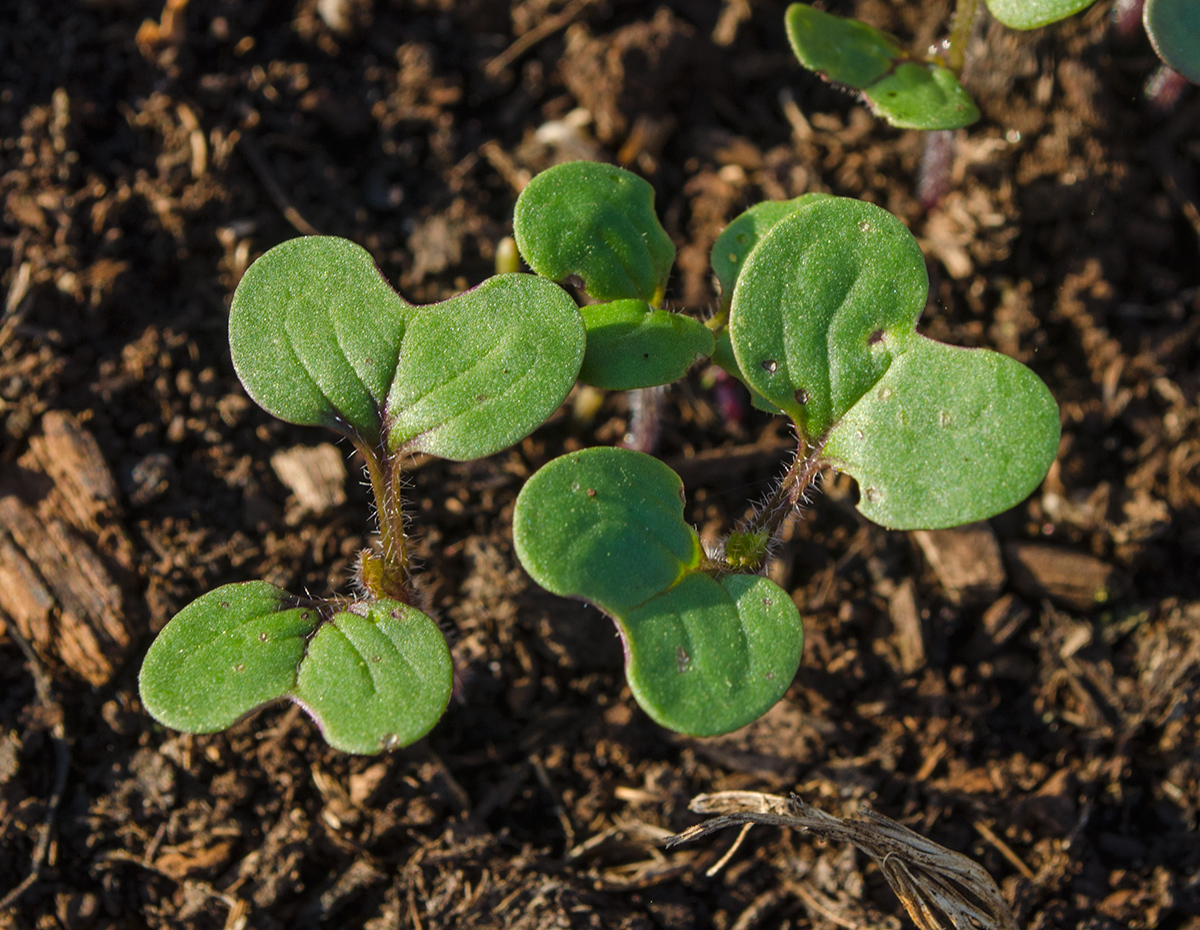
column 939, row 888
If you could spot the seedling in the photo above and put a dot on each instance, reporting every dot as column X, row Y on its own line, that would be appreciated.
column 921, row 90
column 319, row 338
column 820, row 325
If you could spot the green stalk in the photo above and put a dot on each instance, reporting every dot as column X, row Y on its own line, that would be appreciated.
column 960, row 34
column 386, row 574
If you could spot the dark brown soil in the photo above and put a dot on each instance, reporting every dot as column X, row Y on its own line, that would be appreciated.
column 1042, row 719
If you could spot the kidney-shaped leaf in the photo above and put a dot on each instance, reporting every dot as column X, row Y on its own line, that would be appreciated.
column 814, row 303
column 712, row 654
column 596, row 222
column 907, row 92
column 947, row 436
column 605, row 525
column 632, row 345
column 1031, row 14
column 482, row 370
column 823, row 326
column 225, row 654
column 314, row 330
column 1174, row 30
column 704, row 654
column 378, row 681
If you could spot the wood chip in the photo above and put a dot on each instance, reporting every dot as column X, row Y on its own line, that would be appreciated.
column 966, row 560
column 315, row 474
column 1074, row 580
column 906, row 619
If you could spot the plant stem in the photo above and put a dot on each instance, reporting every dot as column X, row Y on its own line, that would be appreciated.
column 773, row 515
column 960, row 34
column 391, row 578
column 645, row 418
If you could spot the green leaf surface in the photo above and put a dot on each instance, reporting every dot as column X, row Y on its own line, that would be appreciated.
column 376, row 682
column 823, row 325
column 712, row 654
column 1031, row 14
column 371, row 682
column 815, row 299
column 314, row 331
column 1174, row 30
column 596, row 222
column 704, row 654
column 907, row 92
column 632, row 345
column 226, row 653
column 605, row 525
column 482, row 370
column 724, row 358
column 920, row 95
column 318, row 337
column 948, row 436
column 739, row 238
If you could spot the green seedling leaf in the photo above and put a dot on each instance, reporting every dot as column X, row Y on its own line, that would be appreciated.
column 632, row 345
column 949, row 435
column 318, row 337
column 724, row 358
column 378, row 681
column 315, row 331
column 226, row 653
column 605, row 525
column 371, row 682
column 595, row 222
column 704, row 654
column 740, row 237
column 482, row 370
column 1174, row 30
column 811, row 299
column 1032, row 14
column 712, row 654
column 823, row 326
column 908, row 92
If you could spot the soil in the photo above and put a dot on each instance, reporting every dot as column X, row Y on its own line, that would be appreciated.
column 1034, row 706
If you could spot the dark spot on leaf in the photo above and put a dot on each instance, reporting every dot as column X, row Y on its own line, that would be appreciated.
column 224, row 605
column 591, row 492
column 770, row 676
column 481, row 398
column 395, row 614
column 645, row 355
column 263, row 637
column 770, row 366
column 369, row 361
column 801, row 396
column 239, row 667
column 304, row 615
column 768, row 603
column 873, row 495
column 875, row 338
column 376, row 658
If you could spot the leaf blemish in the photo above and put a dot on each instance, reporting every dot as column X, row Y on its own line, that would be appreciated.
column 682, row 660
column 885, row 393
column 591, row 492
column 801, row 396
column 263, row 637
column 944, row 418
column 770, row 366
column 875, row 338
column 873, row 495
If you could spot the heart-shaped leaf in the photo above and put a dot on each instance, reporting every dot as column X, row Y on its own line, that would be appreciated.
column 712, row 654
column 822, row 326
column 482, row 370
column 704, row 654
column 907, row 92
column 596, row 222
column 813, row 303
column 226, row 653
column 1174, row 30
column 738, row 239
column 315, row 330
column 947, row 436
column 632, row 345
column 1031, row 14
column 371, row 682
column 378, row 681
column 318, row 337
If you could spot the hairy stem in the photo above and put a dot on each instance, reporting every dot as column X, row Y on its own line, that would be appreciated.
column 779, row 507
column 389, row 578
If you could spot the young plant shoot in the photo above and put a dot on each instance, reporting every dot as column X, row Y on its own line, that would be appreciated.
column 319, row 338
column 824, row 295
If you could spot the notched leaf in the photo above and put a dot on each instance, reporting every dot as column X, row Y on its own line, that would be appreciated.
column 632, row 345
column 596, row 222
